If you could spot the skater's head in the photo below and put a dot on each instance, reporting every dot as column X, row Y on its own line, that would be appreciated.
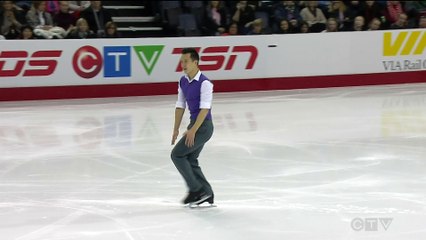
column 189, row 61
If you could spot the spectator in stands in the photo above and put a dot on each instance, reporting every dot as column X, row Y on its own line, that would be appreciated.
column 422, row 21
column 358, row 25
column 13, row 32
column 26, row 33
column 258, row 5
column 256, row 27
column 216, row 19
column 96, row 16
column 338, row 12
column 302, row 4
column 81, row 30
column 414, row 10
column 232, row 30
column 401, row 22
column 370, row 10
column 242, row 15
column 23, row 5
column 52, row 7
column 2, row 37
column 64, row 18
column 374, row 24
column 285, row 27
column 313, row 16
column 76, row 7
column 289, row 11
column 332, row 25
column 42, row 23
column 392, row 11
column 418, row 6
column 303, row 27
column 354, row 8
column 323, row 5
column 11, row 20
column 111, row 30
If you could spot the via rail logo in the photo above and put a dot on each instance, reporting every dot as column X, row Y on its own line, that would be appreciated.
column 115, row 60
column 404, row 43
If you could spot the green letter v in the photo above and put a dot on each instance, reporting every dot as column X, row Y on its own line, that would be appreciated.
column 148, row 55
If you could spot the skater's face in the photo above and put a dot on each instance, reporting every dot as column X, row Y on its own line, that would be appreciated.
column 189, row 66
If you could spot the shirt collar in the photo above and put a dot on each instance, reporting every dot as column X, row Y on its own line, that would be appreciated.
column 196, row 77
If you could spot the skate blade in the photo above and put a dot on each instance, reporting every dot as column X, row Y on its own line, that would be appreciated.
column 201, row 206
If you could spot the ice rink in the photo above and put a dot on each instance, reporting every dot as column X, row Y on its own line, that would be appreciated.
column 340, row 163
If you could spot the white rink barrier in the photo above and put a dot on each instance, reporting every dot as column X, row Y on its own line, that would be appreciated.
column 49, row 69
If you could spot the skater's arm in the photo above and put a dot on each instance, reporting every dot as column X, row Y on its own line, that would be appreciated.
column 178, row 120
column 206, row 98
column 180, row 110
column 200, row 119
column 190, row 134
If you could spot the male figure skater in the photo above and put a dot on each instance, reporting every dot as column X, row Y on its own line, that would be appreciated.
column 196, row 91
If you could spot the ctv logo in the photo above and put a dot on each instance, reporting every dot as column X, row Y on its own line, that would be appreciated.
column 217, row 56
column 116, row 61
column 26, row 64
column 405, row 43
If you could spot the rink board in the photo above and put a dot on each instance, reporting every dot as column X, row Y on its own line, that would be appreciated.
column 150, row 66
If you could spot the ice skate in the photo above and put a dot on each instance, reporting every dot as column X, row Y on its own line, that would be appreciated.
column 204, row 202
column 196, row 197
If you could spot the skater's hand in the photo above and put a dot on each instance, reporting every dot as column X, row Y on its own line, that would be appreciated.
column 190, row 137
column 175, row 135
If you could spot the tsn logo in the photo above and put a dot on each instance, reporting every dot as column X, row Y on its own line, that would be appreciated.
column 44, row 62
column 217, row 57
column 40, row 63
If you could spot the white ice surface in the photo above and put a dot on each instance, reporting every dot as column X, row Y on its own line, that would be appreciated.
column 299, row 164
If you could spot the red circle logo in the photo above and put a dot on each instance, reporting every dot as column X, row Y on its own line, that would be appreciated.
column 87, row 62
